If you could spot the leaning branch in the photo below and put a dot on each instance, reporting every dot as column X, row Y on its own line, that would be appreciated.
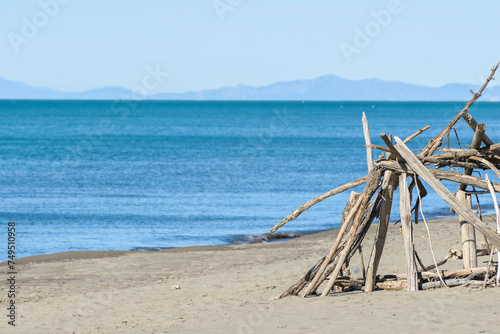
column 437, row 141
column 318, row 199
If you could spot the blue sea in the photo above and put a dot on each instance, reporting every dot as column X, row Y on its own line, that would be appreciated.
column 128, row 175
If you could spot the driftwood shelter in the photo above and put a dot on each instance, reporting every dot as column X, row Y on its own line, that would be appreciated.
column 388, row 173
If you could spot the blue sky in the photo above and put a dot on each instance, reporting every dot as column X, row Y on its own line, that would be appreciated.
column 78, row 45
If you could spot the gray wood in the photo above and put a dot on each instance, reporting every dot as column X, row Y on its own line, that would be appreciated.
column 439, row 174
column 297, row 212
column 368, row 141
column 476, row 142
column 468, row 233
column 388, row 187
column 405, row 212
column 445, row 194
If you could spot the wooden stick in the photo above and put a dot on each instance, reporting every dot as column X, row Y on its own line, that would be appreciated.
column 437, row 141
column 440, row 174
column 464, row 164
column 371, row 188
column 416, row 134
column 297, row 212
column 495, row 203
column 353, row 198
column 450, row 282
column 369, row 151
column 425, row 174
column 393, row 151
column 358, row 237
column 330, row 254
column 388, row 187
column 468, row 233
column 449, row 273
column 476, row 142
column 462, row 154
column 346, row 250
column 405, row 212
column 489, row 164
column 473, row 124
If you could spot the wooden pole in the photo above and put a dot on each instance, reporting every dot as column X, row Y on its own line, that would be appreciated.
column 388, row 187
column 405, row 212
column 445, row 194
column 468, row 233
column 368, row 141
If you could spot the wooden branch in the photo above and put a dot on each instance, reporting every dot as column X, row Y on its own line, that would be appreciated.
column 378, row 147
column 463, row 164
column 428, row 275
column 495, row 203
column 462, row 154
column 439, row 174
column 371, row 187
column 476, row 142
column 473, row 124
column 450, row 283
column 311, row 286
column 425, row 174
column 487, row 163
column 369, row 151
column 405, row 212
column 318, row 199
column 437, row 141
column 416, row 134
column 353, row 198
column 388, row 187
column 393, row 151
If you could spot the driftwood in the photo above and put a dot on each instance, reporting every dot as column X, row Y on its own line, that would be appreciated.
column 385, row 175
column 388, row 187
column 297, row 212
column 369, row 151
column 439, row 174
column 468, row 233
column 445, row 194
column 436, row 141
column 405, row 212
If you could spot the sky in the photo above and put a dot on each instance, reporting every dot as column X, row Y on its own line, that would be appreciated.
column 76, row 45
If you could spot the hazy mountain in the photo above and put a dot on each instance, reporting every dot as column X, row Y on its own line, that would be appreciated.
column 324, row 88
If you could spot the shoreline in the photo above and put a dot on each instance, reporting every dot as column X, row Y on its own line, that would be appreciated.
column 83, row 255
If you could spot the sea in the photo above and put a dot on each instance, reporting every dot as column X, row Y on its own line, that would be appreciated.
column 151, row 175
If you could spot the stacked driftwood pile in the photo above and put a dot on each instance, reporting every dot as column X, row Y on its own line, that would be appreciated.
column 391, row 171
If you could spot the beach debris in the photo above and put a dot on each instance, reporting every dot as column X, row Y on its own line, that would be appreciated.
column 392, row 170
column 176, row 287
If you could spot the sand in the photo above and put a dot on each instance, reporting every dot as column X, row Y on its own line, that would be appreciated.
column 228, row 289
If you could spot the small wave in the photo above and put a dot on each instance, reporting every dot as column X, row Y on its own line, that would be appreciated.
column 149, row 249
column 260, row 238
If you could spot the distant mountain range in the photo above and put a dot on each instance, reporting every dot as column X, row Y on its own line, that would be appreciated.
column 324, row 88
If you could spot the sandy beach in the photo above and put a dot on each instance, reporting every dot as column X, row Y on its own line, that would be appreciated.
column 229, row 289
